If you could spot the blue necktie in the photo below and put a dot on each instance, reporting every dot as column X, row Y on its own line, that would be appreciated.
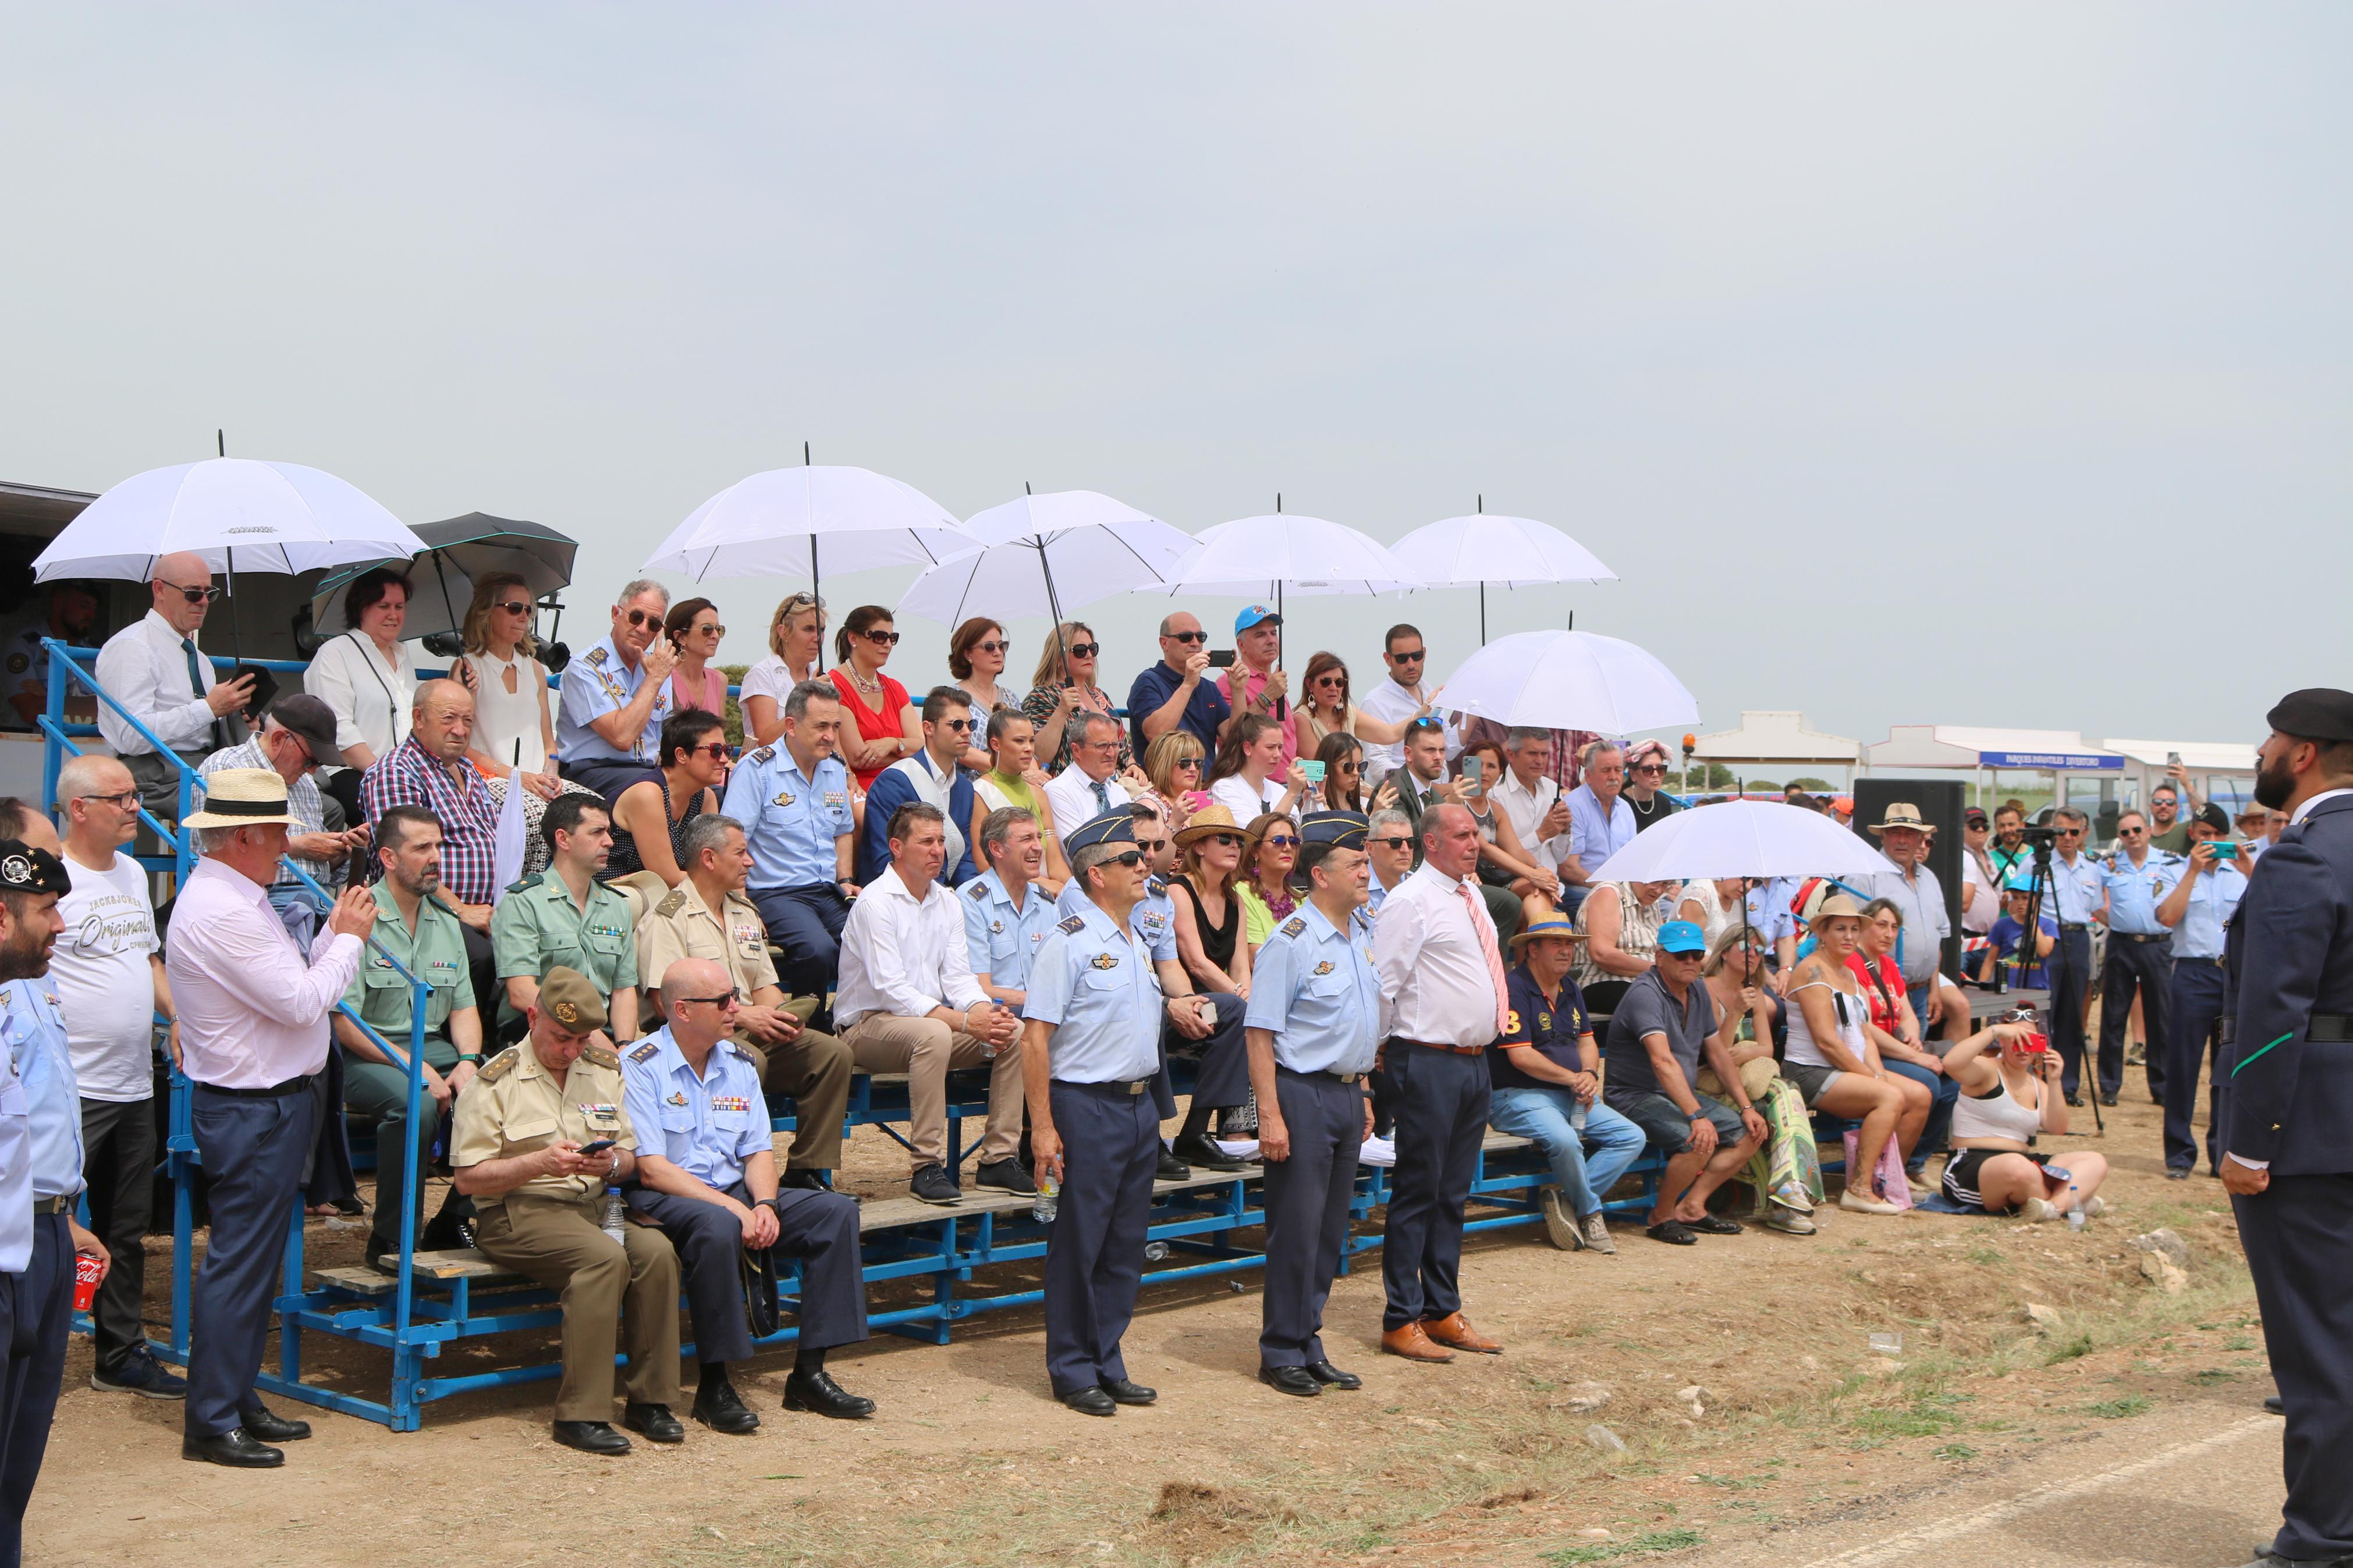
column 1103, row 799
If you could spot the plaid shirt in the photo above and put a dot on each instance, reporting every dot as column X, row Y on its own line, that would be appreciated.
column 302, row 802
column 408, row 775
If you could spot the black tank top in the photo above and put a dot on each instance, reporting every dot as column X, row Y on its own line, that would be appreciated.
column 1217, row 944
column 625, row 859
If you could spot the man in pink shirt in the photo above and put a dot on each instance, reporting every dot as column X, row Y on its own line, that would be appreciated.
column 253, row 1035
column 1253, row 685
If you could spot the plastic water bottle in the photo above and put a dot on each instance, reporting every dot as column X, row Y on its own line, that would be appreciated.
column 1049, row 1199
column 616, row 1215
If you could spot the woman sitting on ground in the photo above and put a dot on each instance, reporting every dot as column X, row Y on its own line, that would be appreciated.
column 1785, row 1171
column 2009, row 1082
column 1174, row 765
column 796, row 637
column 1270, row 850
column 1014, row 779
column 1895, row 1029
column 1830, row 1059
column 650, row 815
column 1243, row 780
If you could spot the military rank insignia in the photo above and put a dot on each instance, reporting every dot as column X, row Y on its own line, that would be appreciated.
column 784, row 798
column 1103, row 961
column 1323, row 968
column 1072, row 926
column 1294, row 925
column 646, row 1052
column 762, row 755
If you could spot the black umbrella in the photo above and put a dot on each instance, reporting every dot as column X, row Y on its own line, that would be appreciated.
column 458, row 552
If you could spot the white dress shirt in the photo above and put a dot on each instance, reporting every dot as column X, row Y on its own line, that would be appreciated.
column 1526, row 809
column 1234, row 793
column 1435, row 984
column 371, row 698
column 1071, row 796
column 903, row 957
column 253, row 1011
column 144, row 668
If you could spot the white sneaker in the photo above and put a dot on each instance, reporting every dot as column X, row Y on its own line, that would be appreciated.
column 1789, row 1223
column 1792, row 1197
column 2039, row 1211
column 1559, row 1225
column 1596, row 1233
column 1860, row 1204
column 2093, row 1206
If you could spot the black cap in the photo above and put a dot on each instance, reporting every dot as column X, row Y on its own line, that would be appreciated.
column 2315, row 713
column 25, row 869
column 2213, row 816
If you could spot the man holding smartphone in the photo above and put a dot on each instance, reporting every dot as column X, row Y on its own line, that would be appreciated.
column 2198, row 909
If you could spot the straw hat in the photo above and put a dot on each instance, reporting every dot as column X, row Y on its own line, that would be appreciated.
column 1903, row 814
column 241, row 798
column 1833, row 907
column 1551, row 923
column 1208, row 820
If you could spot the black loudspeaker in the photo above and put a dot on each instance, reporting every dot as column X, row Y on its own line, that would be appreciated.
column 1940, row 801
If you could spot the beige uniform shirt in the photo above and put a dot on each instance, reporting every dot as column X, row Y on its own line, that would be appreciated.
column 514, row 1107
column 681, row 925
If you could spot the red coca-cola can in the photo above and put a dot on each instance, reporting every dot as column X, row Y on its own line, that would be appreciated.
column 88, row 1271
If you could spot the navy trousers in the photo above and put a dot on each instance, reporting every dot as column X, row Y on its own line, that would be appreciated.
column 806, row 921
column 1307, row 1199
column 1095, row 1250
column 1221, row 1073
column 253, row 1152
column 37, row 1310
column 818, row 1228
column 2070, row 969
column 2191, row 1044
column 2145, row 968
column 1441, row 1101
column 2299, row 1239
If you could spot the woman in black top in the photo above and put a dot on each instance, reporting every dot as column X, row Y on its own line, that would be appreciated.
column 1209, row 912
column 649, row 815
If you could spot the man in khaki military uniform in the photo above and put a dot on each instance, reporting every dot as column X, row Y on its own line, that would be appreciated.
column 522, row 1132
column 709, row 916
column 565, row 916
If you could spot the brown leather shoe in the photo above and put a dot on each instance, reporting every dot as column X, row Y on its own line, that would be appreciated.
column 1413, row 1344
column 1454, row 1332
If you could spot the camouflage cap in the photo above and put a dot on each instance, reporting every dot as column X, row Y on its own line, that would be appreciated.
column 568, row 997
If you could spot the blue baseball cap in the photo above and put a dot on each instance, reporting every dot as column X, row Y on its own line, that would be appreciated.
column 1252, row 616
column 1682, row 936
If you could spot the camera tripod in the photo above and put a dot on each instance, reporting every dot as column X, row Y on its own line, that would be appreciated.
column 2044, row 841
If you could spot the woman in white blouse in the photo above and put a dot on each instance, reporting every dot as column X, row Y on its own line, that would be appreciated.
column 513, row 728
column 367, row 676
column 1242, row 780
column 796, row 637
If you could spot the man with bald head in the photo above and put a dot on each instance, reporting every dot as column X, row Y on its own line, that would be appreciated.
column 429, row 769
column 155, row 671
column 707, row 1175
column 1171, row 695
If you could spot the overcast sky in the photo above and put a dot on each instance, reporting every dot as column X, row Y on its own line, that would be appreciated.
column 1977, row 364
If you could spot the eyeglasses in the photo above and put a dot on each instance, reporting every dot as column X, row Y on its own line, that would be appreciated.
column 1416, row 657
column 881, row 638
column 961, row 726
column 713, row 630
column 994, row 645
column 127, row 801
column 1188, row 637
column 512, row 606
column 1085, row 649
column 724, row 1001
column 1131, row 859
column 1399, row 842
column 204, row 596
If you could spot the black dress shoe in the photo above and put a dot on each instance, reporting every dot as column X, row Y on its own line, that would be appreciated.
column 933, row 1185
column 811, row 1180
column 259, row 1423
column 2107, row 1097
column 1199, row 1151
column 1127, row 1393
column 1295, row 1380
column 446, row 1233
column 2177, row 1172
column 817, row 1393
column 235, row 1448
column 592, row 1437
column 2076, row 1101
column 718, row 1406
column 655, row 1421
column 1091, row 1402
column 1324, row 1371
column 1006, row 1177
column 2275, row 1406
column 1171, row 1169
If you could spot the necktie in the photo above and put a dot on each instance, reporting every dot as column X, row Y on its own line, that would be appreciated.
column 1485, row 931
column 1103, row 798
column 199, row 685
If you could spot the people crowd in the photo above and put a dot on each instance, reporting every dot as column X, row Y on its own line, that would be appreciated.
column 1350, row 912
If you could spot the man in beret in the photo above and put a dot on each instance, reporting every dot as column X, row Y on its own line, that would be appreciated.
column 2288, row 1057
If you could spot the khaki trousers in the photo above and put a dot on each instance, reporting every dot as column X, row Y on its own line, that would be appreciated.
column 925, row 1050
column 559, row 1243
column 814, row 1068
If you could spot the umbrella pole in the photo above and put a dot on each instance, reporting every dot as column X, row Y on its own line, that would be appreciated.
column 236, row 645
column 447, row 608
column 819, row 603
column 1482, row 615
column 1054, row 608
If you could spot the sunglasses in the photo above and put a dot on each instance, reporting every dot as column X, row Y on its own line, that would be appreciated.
column 1085, row 649
column 1281, row 840
column 1416, row 657
column 961, row 726
column 992, row 646
column 1223, row 840
column 639, row 618
column 723, row 1000
column 709, row 631
column 1658, row 768
column 1131, row 859
column 1399, row 842
column 881, row 638
column 1151, row 846
column 512, row 606
column 2078, row 832
column 1192, row 763
column 1188, row 637
column 2075, row 832
column 193, row 596
column 1425, row 724
column 716, row 751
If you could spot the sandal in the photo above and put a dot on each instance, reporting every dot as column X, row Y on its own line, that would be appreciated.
column 1672, row 1232
column 1712, row 1224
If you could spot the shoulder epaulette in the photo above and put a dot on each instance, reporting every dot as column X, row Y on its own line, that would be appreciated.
column 977, row 890
column 646, row 1052
column 737, row 1047
column 498, row 1066
column 603, row 1056
column 1072, row 926
column 596, row 655
column 762, row 755
column 1294, row 925
column 1156, row 886
column 534, row 881
column 672, row 901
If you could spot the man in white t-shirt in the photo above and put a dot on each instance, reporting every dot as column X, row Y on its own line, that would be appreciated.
column 108, row 973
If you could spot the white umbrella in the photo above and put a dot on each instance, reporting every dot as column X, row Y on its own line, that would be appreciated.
column 823, row 519
column 1044, row 554
column 1761, row 838
column 1483, row 547
column 1260, row 557
column 238, row 513
column 1569, row 680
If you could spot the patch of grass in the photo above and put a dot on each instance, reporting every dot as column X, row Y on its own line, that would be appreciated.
column 1736, row 1483
column 1650, row 1543
column 1955, row 1451
column 2068, row 1349
column 1982, row 1255
column 2214, row 1375
column 1930, row 1416
column 2117, row 1409
column 2238, row 1342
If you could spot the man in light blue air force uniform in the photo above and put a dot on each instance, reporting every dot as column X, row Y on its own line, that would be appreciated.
column 1314, row 1028
column 1094, row 1031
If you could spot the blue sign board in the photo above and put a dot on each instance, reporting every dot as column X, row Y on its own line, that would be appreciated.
column 2070, row 762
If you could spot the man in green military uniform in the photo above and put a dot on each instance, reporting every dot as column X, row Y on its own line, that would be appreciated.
column 543, row 1131
column 419, row 929
column 709, row 916
column 565, row 916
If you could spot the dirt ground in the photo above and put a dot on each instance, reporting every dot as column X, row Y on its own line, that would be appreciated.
column 1798, row 1421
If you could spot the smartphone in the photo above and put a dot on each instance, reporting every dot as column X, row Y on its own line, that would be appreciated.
column 598, row 1147
column 1471, row 768
column 1221, row 659
column 2224, row 849
column 2173, row 759
column 1314, row 771
column 355, row 866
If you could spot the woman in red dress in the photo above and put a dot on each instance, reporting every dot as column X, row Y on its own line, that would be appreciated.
column 882, row 728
